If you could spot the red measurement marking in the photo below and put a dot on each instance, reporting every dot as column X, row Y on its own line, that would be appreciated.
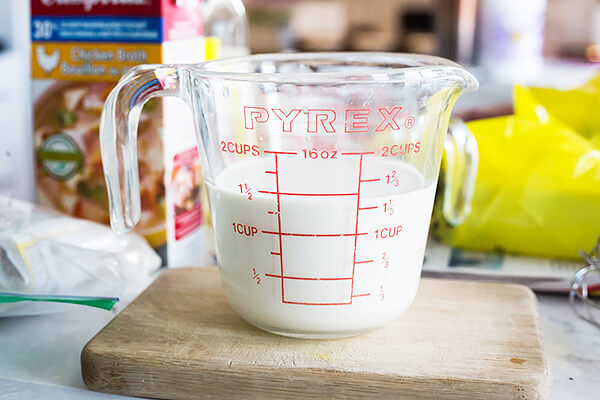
column 368, row 208
column 306, row 194
column 370, row 180
column 361, row 295
column 245, row 189
column 256, row 276
column 308, row 279
column 392, row 179
column 358, row 153
column 272, row 212
column 315, row 234
column 388, row 207
column 279, row 226
column 316, row 304
column 356, row 225
column 364, row 262
column 270, row 172
column 275, row 254
column 280, row 152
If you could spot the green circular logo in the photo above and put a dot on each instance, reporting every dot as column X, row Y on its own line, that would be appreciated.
column 60, row 156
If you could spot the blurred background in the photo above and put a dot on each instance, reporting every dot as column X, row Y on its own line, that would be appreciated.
column 534, row 41
column 456, row 29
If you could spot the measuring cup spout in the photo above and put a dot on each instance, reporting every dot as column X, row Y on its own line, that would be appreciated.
column 465, row 80
column 456, row 82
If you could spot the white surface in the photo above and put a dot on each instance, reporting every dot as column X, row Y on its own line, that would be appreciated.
column 40, row 355
column 573, row 347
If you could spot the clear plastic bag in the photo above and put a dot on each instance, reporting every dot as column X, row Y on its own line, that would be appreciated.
column 45, row 253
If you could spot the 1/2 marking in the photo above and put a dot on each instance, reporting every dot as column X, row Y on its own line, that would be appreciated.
column 255, row 276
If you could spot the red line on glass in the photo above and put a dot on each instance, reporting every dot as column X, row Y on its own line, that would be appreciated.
column 315, row 234
column 317, row 304
column 361, row 295
column 370, row 180
column 363, row 262
column 356, row 225
column 308, row 279
column 280, row 152
column 279, row 227
column 306, row 194
column 358, row 153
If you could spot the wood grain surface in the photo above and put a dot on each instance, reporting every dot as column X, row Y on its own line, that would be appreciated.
column 459, row 340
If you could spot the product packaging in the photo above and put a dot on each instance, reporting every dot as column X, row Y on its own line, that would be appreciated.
column 80, row 49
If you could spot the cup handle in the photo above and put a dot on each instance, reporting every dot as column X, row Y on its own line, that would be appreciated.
column 118, row 136
column 462, row 159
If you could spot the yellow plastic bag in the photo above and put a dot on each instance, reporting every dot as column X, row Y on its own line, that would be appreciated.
column 538, row 182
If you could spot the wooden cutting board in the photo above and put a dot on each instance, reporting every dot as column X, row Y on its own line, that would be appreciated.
column 459, row 340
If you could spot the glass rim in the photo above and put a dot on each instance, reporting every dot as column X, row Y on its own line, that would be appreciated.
column 378, row 67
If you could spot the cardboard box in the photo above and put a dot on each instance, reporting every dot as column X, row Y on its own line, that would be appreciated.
column 80, row 48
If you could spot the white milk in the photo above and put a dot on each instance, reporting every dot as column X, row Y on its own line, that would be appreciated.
column 330, row 287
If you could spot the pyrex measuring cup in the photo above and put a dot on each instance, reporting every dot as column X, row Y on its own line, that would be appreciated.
column 321, row 172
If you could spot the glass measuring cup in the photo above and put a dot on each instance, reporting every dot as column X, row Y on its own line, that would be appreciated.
column 321, row 172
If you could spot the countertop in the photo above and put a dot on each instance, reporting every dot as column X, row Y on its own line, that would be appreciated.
column 40, row 354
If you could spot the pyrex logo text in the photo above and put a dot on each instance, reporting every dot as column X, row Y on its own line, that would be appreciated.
column 89, row 4
column 321, row 120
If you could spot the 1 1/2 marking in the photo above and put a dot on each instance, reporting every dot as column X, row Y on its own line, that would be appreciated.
column 245, row 188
